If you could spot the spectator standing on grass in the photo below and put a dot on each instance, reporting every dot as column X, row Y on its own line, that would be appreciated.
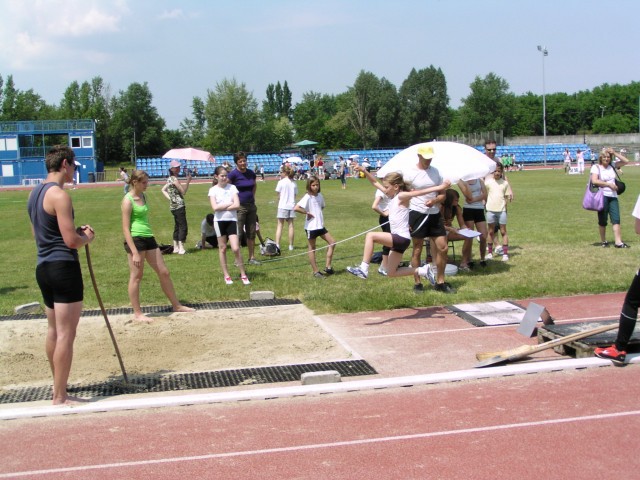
column 175, row 191
column 244, row 180
column 629, row 313
column 287, row 191
column 580, row 161
column 497, row 197
column 58, row 270
column 225, row 202
column 425, row 219
column 399, row 238
column 603, row 176
column 311, row 205
column 567, row 160
column 343, row 173
column 475, row 196
column 141, row 245
column 124, row 177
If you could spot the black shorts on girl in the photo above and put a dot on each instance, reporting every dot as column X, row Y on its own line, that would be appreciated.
column 225, row 228
column 475, row 215
column 311, row 234
column 142, row 244
column 399, row 243
column 60, row 282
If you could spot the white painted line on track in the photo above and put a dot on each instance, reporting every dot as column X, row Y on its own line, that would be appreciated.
column 317, row 446
column 118, row 404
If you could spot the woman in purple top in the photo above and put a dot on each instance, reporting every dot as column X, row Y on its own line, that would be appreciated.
column 244, row 180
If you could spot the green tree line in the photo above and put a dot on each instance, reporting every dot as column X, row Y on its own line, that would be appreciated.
column 371, row 113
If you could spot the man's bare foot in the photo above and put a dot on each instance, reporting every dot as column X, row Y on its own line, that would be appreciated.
column 142, row 318
column 70, row 401
column 183, row 308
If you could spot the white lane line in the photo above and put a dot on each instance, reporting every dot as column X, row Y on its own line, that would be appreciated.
column 315, row 446
column 474, row 329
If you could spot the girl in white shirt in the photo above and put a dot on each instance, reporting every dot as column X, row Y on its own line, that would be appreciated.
column 287, row 191
column 225, row 203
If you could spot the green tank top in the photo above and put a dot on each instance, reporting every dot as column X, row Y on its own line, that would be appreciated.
column 139, row 225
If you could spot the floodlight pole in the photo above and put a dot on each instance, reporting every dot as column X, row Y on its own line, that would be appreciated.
column 544, row 52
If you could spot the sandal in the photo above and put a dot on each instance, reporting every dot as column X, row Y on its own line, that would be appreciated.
column 245, row 280
column 228, row 280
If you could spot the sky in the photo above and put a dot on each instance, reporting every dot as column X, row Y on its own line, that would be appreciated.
column 184, row 48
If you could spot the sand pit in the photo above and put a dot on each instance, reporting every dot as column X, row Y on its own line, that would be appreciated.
column 179, row 342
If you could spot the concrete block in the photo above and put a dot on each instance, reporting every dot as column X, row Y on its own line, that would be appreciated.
column 262, row 295
column 315, row 378
column 33, row 307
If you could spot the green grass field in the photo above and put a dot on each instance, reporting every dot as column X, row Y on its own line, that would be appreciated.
column 554, row 250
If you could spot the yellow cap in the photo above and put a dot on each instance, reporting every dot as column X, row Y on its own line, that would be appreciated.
column 426, row 152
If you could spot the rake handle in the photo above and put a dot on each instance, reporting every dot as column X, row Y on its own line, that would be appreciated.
column 104, row 314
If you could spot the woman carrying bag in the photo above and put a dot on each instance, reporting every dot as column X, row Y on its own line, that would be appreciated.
column 604, row 177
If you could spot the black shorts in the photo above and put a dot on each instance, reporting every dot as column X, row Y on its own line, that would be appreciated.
column 213, row 241
column 422, row 225
column 311, row 234
column 60, row 282
column 475, row 215
column 225, row 228
column 399, row 243
column 142, row 244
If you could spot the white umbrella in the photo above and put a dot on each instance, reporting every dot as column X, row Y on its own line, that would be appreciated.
column 189, row 154
column 454, row 161
column 293, row 160
column 354, row 157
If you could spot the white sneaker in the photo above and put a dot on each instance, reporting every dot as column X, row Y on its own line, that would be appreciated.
column 427, row 272
column 488, row 256
column 382, row 271
column 290, row 247
column 505, row 258
column 182, row 252
column 498, row 250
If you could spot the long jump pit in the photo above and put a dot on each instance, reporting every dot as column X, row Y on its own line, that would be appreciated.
column 227, row 344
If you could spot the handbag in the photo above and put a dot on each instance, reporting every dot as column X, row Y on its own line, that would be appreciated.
column 619, row 183
column 593, row 197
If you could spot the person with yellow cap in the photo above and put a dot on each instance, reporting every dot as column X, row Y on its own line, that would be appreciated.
column 425, row 219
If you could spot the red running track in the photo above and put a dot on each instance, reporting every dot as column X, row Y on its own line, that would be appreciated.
column 571, row 424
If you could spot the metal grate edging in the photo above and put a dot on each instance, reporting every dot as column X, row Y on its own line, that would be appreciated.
column 162, row 309
column 193, row 381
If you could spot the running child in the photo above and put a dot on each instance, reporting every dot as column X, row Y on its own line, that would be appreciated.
column 311, row 206
column 399, row 239
column 498, row 192
column 287, row 191
column 225, row 203
column 140, row 245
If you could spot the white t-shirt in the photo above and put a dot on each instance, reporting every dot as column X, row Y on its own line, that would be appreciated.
column 636, row 209
column 288, row 191
column 206, row 229
column 606, row 175
column 314, row 206
column 224, row 195
column 419, row 179
column 384, row 200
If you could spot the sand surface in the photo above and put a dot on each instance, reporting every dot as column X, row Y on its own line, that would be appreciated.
column 179, row 342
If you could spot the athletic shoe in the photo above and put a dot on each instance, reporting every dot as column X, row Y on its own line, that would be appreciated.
column 444, row 288
column 245, row 280
column 622, row 245
column 604, row 244
column 498, row 250
column 611, row 353
column 357, row 271
column 182, row 252
column 198, row 247
column 228, row 280
column 382, row 271
column 418, row 288
column 488, row 256
column 431, row 274
column 253, row 261
column 319, row 275
column 505, row 258
column 329, row 271
column 464, row 268
column 290, row 247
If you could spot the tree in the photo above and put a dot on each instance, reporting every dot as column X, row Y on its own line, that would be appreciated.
column 424, row 105
column 135, row 117
column 192, row 129
column 311, row 116
column 489, row 106
column 386, row 121
column 616, row 123
column 9, row 97
column 364, row 96
column 232, row 115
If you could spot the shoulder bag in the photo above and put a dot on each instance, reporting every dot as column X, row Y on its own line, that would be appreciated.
column 619, row 183
column 593, row 197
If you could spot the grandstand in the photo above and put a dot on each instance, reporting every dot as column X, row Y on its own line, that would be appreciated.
column 524, row 155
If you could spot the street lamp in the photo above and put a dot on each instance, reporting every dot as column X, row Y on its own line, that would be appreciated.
column 544, row 52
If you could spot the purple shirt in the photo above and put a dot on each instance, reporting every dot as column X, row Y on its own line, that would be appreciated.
column 245, row 183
